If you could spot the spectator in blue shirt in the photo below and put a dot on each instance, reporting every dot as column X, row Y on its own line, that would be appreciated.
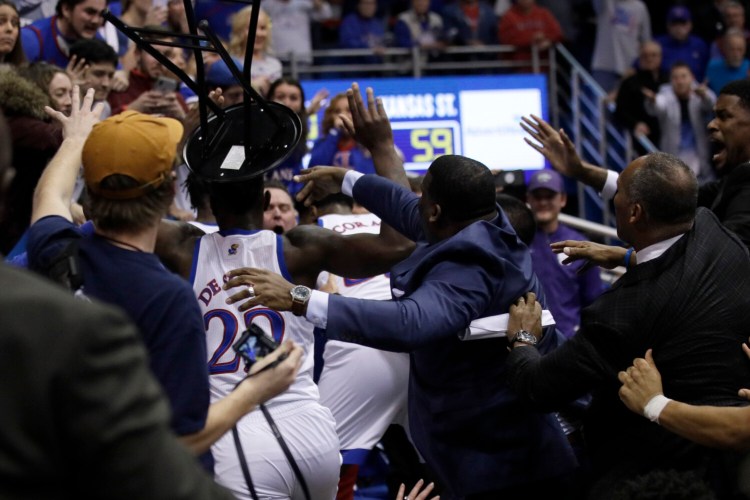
column 732, row 65
column 470, row 22
column 679, row 45
column 362, row 30
column 48, row 39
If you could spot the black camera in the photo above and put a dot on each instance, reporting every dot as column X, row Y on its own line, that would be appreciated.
column 254, row 344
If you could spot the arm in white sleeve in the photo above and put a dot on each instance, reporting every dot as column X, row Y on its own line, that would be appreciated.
column 610, row 185
column 350, row 179
column 317, row 309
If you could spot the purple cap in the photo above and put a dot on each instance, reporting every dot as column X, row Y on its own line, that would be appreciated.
column 678, row 14
column 546, row 179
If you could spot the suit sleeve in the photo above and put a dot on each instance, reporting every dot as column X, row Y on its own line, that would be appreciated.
column 568, row 372
column 737, row 214
column 450, row 296
column 394, row 204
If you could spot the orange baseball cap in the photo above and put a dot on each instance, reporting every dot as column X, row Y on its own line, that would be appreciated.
column 134, row 144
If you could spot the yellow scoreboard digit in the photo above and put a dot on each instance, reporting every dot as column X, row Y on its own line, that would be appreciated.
column 429, row 143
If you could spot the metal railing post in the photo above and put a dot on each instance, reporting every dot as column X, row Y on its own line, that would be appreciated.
column 554, row 105
column 535, row 60
column 416, row 61
column 293, row 66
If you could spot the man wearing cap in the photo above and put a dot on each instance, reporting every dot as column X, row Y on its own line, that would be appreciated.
column 127, row 163
column 678, row 45
column 566, row 290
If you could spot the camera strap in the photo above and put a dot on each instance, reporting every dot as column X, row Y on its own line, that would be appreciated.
column 243, row 464
column 286, row 450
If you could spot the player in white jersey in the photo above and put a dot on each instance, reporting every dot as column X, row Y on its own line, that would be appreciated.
column 364, row 388
column 306, row 426
column 301, row 254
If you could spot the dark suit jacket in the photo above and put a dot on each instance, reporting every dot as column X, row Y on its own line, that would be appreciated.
column 81, row 415
column 469, row 426
column 690, row 305
column 729, row 199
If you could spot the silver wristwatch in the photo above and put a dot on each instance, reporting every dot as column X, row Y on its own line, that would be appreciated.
column 300, row 297
column 523, row 336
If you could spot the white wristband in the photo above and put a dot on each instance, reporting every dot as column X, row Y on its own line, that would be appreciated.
column 653, row 408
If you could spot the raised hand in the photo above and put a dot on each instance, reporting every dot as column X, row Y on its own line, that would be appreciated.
column 369, row 124
column 553, row 145
column 319, row 183
column 415, row 494
column 82, row 117
column 317, row 101
column 76, row 70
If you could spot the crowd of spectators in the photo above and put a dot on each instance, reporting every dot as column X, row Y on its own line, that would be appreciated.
column 662, row 63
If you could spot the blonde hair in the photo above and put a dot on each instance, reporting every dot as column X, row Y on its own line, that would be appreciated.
column 241, row 25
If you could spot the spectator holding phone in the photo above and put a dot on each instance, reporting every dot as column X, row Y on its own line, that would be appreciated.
column 153, row 89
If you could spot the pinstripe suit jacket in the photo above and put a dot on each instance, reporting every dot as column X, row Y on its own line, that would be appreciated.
column 690, row 305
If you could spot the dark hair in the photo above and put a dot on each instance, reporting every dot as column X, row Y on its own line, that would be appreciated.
column 275, row 184
column 666, row 188
column 739, row 88
column 333, row 200
column 464, row 188
column 197, row 190
column 519, row 215
column 16, row 56
column 94, row 51
column 236, row 198
column 70, row 3
column 129, row 215
column 680, row 64
column 302, row 113
column 287, row 80
column 672, row 484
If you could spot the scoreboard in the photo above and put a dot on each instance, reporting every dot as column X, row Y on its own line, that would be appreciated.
column 476, row 116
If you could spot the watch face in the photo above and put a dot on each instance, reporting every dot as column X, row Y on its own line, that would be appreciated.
column 301, row 292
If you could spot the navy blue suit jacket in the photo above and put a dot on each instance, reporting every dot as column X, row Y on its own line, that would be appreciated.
column 472, row 430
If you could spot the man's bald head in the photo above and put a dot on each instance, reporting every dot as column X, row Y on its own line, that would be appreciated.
column 666, row 188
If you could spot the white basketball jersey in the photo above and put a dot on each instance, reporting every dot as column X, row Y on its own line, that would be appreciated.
column 217, row 254
column 364, row 388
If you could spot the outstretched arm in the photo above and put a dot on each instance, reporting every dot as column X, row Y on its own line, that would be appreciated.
column 717, row 427
column 55, row 188
column 561, row 152
column 606, row 256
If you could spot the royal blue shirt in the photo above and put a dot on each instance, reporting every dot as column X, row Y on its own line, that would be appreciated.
column 160, row 303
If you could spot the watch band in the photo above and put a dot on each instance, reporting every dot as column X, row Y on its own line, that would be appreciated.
column 524, row 337
column 300, row 298
column 298, row 306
